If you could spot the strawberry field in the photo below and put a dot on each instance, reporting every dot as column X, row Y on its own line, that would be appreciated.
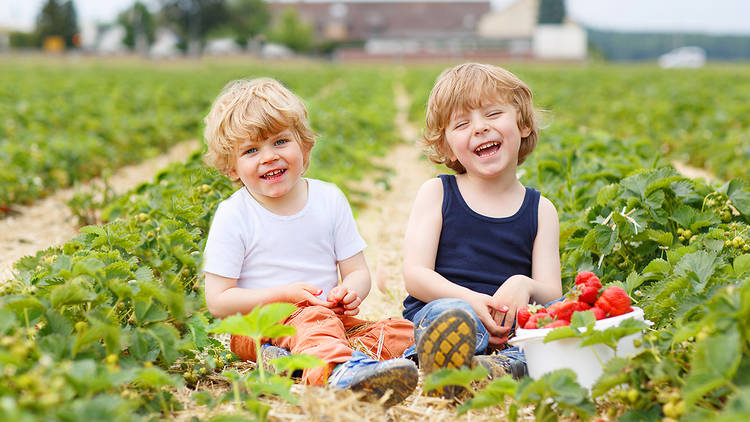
column 112, row 324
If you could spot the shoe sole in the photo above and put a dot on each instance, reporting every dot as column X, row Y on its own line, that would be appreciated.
column 448, row 342
column 400, row 378
column 498, row 366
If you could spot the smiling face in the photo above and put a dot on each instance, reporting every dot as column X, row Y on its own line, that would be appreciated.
column 486, row 139
column 270, row 168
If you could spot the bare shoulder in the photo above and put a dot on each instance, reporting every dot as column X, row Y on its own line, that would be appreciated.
column 430, row 191
column 547, row 209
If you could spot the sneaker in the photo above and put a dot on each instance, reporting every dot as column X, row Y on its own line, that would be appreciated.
column 376, row 378
column 268, row 353
column 448, row 342
column 499, row 366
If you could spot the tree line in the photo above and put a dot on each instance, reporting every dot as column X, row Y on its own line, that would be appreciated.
column 193, row 21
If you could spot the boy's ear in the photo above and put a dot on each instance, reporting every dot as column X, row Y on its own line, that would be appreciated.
column 525, row 132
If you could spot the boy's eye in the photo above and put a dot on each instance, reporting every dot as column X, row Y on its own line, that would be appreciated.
column 494, row 113
column 281, row 142
column 251, row 150
column 459, row 125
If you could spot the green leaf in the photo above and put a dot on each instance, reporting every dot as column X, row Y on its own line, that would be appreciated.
column 198, row 328
column 261, row 322
column 699, row 264
column 652, row 414
column 154, row 378
column 463, row 377
column 73, row 293
column 273, row 385
column 607, row 194
column 7, row 320
column 88, row 266
column 633, row 282
column 657, row 268
column 493, row 395
column 582, row 319
column 166, row 337
column 614, row 374
column 562, row 387
column 203, row 398
column 610, row 336
column 561, row 332
column 714, row 364
column 141, row 344
column 150, row 311
column 739, row 194
column 741, row 265
column 292, row 363
column 95, row 230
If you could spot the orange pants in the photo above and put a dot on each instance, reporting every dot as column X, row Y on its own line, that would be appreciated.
column 332, row 338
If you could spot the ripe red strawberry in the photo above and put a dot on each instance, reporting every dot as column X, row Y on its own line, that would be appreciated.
column 584, row 277
column 558, row 323
column 587, row 287
column 598, row 313
column 526, row 312
column 563, row 310
column 588, row 294
column 582, row 306
column 614, row 301
column 537, row 320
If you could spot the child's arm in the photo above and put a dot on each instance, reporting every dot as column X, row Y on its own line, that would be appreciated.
column 354, row 288
column 420, row 249
column 224, row 298
column 544, row 285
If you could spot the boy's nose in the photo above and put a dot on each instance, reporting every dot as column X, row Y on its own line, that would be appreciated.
column 481, row 127
column 269, row 155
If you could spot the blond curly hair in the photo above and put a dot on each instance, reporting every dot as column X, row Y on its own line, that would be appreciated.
column 253, row 109
column 468, row 86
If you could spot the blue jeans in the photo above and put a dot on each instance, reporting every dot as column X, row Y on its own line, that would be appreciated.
column 432, row 310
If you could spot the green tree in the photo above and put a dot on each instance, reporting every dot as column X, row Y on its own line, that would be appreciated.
column 140, row 28
column 248, row 18
column 57, row 19
column 19, row 39
column 551, row 11
column 290, row 30
column 193, row 19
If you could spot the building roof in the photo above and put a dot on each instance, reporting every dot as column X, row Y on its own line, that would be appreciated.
column 362, row 20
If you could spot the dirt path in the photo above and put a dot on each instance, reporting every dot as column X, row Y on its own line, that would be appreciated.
column 383, row 223
column 49, row 222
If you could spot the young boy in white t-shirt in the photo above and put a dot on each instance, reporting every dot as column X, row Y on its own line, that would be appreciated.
column 285, row 238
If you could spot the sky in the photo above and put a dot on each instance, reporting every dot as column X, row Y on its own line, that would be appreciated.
column 707, row 16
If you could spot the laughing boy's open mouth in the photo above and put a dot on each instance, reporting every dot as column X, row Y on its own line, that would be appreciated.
column 487, row 149
column 273, row 173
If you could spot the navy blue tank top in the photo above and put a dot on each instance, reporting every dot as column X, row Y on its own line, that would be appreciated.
column 480, row 252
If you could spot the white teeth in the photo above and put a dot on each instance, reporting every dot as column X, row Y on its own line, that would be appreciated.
column 273, row 173
column 485, row 146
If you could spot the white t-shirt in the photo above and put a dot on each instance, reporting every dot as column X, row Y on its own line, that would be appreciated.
column 262, row 249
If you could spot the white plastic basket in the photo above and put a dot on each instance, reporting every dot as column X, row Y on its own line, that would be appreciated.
column 587, row 362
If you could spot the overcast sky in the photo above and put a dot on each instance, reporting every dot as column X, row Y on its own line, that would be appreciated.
column 712, row 16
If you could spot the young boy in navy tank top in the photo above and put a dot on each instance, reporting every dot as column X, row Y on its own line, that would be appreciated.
column 478, row 245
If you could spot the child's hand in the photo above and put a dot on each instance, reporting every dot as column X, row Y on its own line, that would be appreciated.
column 511, row 296
column 300, row 292
column 482, row 305
column 343, row 300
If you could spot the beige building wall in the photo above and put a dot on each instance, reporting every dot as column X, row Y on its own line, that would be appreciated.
column 517, row 20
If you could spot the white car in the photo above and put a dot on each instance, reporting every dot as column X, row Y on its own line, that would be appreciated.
column 683, row 57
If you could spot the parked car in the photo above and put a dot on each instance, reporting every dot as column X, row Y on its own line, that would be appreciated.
column 683, row 57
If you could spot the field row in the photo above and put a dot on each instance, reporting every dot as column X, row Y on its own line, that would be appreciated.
column 114, row 320
column 67, row 122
